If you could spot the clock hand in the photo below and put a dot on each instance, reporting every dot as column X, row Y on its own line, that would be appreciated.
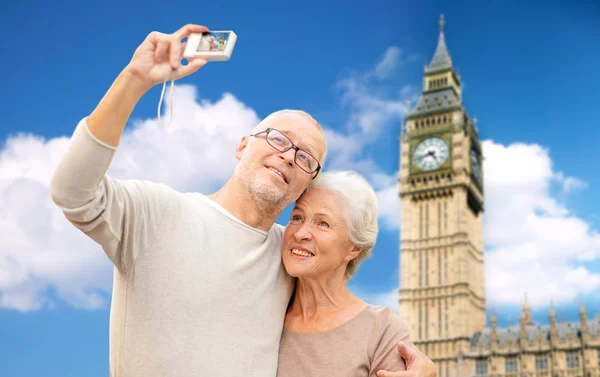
column 423, row 156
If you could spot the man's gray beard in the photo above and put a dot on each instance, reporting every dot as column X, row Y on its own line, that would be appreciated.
column 264, row 192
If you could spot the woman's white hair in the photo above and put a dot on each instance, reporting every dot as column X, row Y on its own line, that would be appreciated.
column 360, row 202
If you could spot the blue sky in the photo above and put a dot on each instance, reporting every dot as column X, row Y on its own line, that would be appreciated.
column 530, row 78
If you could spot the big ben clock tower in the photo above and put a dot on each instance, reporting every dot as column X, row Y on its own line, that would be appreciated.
column 442, row 293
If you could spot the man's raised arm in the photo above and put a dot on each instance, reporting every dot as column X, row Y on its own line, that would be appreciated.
column 156, row 60
column 94, row 203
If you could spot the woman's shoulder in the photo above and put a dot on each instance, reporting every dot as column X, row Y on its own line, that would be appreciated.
column 384, row 314
column 386, row 321
column 389, row 328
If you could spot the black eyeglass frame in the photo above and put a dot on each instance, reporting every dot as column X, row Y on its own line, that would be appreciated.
column 292, row 146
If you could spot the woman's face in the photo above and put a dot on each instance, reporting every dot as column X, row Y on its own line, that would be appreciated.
column 315, row 242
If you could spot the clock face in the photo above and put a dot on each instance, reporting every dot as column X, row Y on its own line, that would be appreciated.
column 475, row 165
column 431, row 153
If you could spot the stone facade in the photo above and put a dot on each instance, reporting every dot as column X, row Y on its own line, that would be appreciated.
column 442, row 292
column 554, row 350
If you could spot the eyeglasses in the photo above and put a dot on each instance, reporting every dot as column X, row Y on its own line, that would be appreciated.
column 282, row 143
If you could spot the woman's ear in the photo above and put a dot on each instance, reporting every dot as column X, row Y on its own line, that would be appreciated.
column 353, row 253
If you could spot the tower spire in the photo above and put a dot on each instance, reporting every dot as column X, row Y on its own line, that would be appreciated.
column 441, row 84
column 582, row 310
column 553, row 325
column 526, row 318
column 441, row 59
column 583, row 317
column 494, row 329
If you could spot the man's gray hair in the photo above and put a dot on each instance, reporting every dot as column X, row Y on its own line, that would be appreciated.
column 360, row 202
column 261, row 126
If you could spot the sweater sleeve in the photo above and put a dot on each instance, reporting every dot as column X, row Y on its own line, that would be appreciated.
column 121, row 216
column 391, row 329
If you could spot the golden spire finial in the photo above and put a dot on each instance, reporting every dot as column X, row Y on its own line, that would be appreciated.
column 442, row 22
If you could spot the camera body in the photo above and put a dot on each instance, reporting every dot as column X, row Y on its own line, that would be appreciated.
column 210, row 45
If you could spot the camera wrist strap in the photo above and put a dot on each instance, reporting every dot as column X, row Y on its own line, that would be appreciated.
column 170, row 102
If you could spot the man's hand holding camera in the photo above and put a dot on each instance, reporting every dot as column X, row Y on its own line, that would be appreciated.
column 158, row 58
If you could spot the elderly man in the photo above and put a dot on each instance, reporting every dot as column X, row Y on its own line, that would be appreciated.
column 199, row 288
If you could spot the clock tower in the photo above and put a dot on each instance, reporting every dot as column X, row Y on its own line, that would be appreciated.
column 442, row 294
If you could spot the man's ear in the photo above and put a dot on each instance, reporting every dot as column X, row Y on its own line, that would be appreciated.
column 240, row 148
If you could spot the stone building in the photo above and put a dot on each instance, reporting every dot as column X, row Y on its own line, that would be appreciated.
column 442, row 293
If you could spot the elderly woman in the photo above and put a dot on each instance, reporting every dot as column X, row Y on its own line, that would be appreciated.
column 328, row 331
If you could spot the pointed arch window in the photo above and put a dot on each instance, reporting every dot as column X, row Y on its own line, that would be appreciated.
column 572, row 360
column 510, row 365
column 481, row 367
column 541, row 362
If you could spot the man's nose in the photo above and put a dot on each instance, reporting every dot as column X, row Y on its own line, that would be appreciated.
column 288, row 156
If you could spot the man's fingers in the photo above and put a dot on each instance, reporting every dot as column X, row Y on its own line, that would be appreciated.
column 191, row 67
column 406, row 352
column 417, row 363
column 385, row 373
column 155, row 36
column 189, row 29
column 161, row 51
column 175, row 53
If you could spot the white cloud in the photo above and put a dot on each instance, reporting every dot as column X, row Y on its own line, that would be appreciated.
column 388, row 200
column 196, row 152
column 389, row 206
column 374, row 112
column 372, row 107
column 569, row 184
column 41, row 251
column 388, row 63
column 534, row 244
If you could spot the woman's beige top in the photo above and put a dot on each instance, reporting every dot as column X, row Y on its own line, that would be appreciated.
column 359, row 347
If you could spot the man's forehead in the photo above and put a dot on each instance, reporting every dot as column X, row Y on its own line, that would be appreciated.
column 291, row 121
column 299, row 129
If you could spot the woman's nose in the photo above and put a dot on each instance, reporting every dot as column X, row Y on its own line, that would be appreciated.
column 303, row 233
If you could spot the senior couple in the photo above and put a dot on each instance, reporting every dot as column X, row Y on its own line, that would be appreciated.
column 211, row 285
